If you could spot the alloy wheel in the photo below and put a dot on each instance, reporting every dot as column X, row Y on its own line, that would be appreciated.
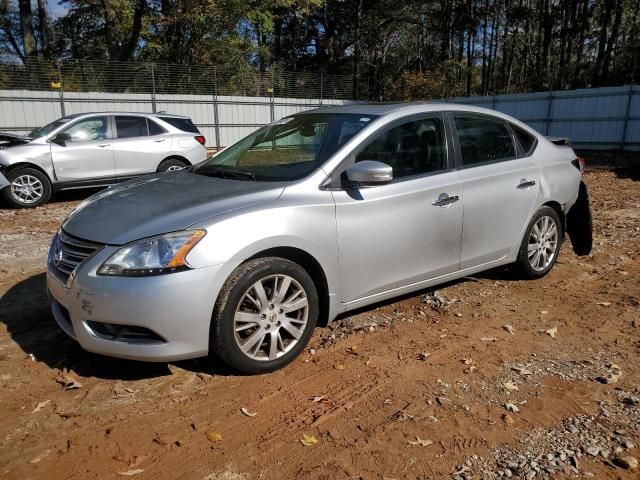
column 543, row 243
column 27, row 189
column 271, row 317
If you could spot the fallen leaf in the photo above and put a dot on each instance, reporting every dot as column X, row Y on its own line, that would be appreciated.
column 523, row 371
column 40, row 406
column 68, row 382
column 509, row 329
column 339, row 366
column 308, row 440
column 423, row 356
column 41, row 456
column 603, row 304
column 511, row 407
column 512, row 387
column 489, row 339
column 214, row 436
column 508, row 419
column 419, row 441
column 468, row 361
column 319, row 398
column 353, row 349
column 552, row 332
column 400, row 356
column 137, row 461
column 543, row 312
column 130, row 473
column 247, row 412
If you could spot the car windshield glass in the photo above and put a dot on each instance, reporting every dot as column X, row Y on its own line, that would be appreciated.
column 47, row 129
column 287, row 149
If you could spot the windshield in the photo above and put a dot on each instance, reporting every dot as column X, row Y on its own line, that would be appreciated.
column 288, row 149
column 47, row 129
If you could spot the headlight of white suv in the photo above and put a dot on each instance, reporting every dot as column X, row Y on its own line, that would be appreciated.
column 153, row 256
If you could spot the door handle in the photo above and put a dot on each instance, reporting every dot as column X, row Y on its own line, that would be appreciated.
column 160, row 140
column 526, row 183
column 102, row 145
column 444, row 200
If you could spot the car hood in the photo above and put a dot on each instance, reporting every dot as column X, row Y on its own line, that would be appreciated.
column 161, row 203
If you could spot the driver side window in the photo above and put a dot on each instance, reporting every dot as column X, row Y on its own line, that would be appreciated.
column 412, row 148
column 88, row 129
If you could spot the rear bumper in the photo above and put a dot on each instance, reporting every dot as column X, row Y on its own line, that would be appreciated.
column 176, row 308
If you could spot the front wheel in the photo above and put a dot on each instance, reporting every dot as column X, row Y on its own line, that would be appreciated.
column 28, row 188
column 541, row 243
column 264, row 316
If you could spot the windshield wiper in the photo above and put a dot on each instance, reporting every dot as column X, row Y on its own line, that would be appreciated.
column 222, row 173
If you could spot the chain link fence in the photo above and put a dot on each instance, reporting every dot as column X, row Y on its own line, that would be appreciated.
column 155, row 78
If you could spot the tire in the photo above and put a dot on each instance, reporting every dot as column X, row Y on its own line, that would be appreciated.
column 29, row 188
column 241, row 320
column 171, row 165
column 538, row 262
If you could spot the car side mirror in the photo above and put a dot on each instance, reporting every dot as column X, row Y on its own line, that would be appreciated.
column 369, row 172
column 61, row 139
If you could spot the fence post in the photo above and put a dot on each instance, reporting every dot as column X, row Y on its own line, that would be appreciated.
column 216, row 115
column 61, row 90
column 153, row 90
column 626, row 118
column 272, row 107
column 549, row 111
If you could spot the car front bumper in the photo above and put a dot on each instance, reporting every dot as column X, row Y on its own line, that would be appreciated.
column 176, row 308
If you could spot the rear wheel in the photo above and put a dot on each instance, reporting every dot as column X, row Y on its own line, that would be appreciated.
column 171, row 165
column 265, row 315
column 541, row 243
column 29, row 188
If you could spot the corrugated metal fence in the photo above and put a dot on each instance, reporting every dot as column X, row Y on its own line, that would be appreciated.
column 601, row 118
column 221, row 119
column 598, row 118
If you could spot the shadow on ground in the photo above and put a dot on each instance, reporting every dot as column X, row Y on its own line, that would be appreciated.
column 24, row 309
column 624, row 164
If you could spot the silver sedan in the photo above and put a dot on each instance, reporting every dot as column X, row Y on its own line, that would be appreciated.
column 309, row 217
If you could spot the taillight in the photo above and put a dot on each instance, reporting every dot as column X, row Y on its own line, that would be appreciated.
column 579, row 164
column 200, row 139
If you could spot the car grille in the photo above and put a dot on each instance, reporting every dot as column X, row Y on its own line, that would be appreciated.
column 69, row 253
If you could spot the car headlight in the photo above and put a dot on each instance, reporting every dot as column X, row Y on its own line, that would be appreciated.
column 153, row 256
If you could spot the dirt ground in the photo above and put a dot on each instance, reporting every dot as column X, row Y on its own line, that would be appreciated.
column 430, row 386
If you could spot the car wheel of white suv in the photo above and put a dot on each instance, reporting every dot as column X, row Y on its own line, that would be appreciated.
column 264, row 316
column 29, row 188
column 541, row 243
column 171, row 165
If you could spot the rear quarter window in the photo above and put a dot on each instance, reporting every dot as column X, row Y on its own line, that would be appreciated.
column 184, row 124
column 525, row 139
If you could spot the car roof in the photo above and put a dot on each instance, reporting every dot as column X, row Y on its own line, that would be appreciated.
column 146, row 114
column 379, row 109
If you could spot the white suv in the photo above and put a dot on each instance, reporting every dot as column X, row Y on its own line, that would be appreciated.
column 95, row 149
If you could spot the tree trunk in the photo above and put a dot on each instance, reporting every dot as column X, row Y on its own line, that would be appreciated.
column 26, row 22
column 45, row 31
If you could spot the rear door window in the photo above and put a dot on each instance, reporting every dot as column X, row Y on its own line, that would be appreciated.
column 129, row 127
column 154, row 128
column 483, row 139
